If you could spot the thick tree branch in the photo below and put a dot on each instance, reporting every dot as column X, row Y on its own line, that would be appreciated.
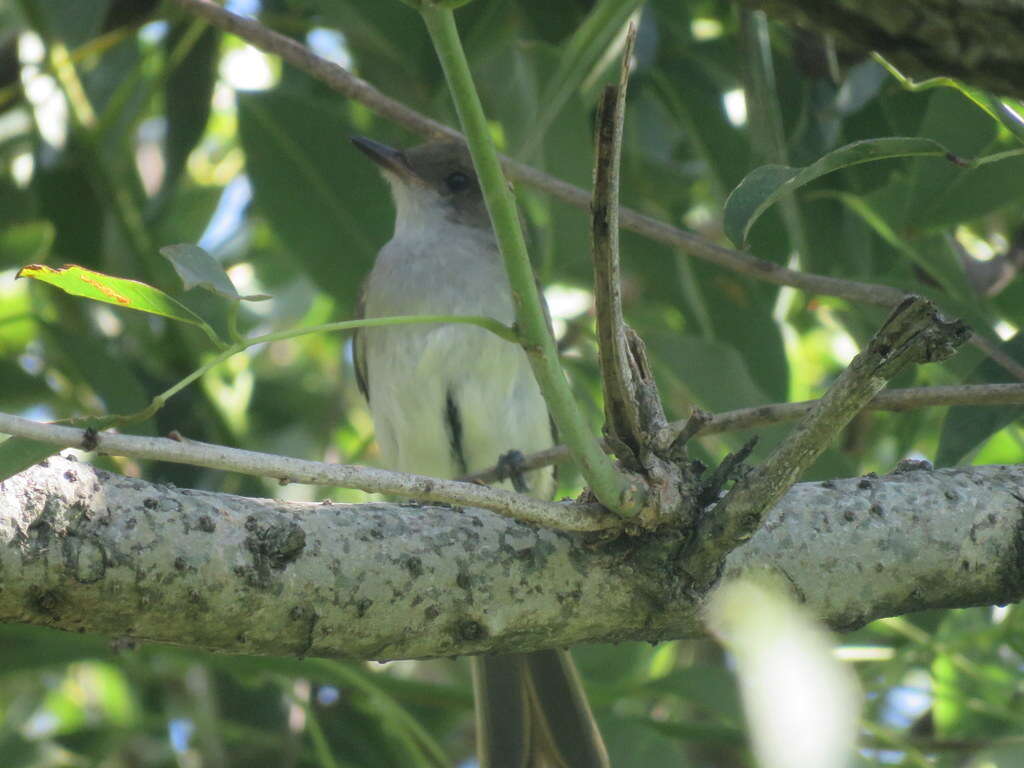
column 563, row 516
column 83, row 549
column 776, row 413
column 979, row 42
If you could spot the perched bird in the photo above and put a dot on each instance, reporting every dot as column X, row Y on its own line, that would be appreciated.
column 450, row 400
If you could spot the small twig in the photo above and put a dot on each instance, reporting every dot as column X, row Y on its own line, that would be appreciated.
column 913, row 333
column 729, row 469
column 555, row 515
column 889, row 400
column 694, row 424
column 622, row 411
column 776, row 413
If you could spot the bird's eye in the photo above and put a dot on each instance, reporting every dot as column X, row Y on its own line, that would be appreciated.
column 457, row 181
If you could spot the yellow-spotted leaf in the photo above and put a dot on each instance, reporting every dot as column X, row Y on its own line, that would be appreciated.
column 130, row 294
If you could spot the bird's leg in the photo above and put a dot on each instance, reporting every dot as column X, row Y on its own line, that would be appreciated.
column 510, row 467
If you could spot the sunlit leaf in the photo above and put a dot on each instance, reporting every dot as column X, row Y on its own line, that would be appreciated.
column 129, row 294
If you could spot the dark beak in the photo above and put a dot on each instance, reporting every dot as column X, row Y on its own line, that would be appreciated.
column 388, row 158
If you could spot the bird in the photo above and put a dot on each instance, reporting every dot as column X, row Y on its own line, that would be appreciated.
column 449, row 400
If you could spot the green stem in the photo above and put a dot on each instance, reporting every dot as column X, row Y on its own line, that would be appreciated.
column 613, row 489
column 996, row 157
column 487, row 323
column 240, row 345
column 233, row 333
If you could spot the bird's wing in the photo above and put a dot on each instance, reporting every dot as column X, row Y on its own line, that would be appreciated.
column 358, row 352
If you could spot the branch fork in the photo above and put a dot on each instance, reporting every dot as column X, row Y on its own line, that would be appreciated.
column 914, row 333
column 634, row 416
column 636, row 427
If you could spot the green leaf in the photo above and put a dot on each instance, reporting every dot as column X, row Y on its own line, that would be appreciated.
column 967, row 426
column 119, row 291
column 187, row 95
column 973, row 193
column 765, row 185
column 687, row 87
column 934, row 253
column 95, row 361
column 19, row 453
column 736, row 312
column 715, row 373
column 72, row 21
column 185, row 211
column 991, row 104
column 79, row 214
column 197, row 268
column 21, row 390
column 582, row 52
column 26, row 242
column 957, row 124
column 327, row 204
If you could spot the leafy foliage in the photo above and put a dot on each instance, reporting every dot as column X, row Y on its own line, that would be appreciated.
column 125, row 128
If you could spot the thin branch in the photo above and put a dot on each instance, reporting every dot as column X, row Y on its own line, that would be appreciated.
column 776, row 413
column 913, row 333
column 889, row 400
column 621, row 404
column 556, row 515
column 615, row 489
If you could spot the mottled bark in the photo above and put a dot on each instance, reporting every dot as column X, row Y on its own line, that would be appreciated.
column 978, row 41
column 83, row 549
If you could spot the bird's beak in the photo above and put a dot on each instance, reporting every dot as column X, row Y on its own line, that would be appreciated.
column 388, row 158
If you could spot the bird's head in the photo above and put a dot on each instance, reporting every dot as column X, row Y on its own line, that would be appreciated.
column 435, row 179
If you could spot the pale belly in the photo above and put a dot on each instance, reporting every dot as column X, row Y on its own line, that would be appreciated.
column 438, row 371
